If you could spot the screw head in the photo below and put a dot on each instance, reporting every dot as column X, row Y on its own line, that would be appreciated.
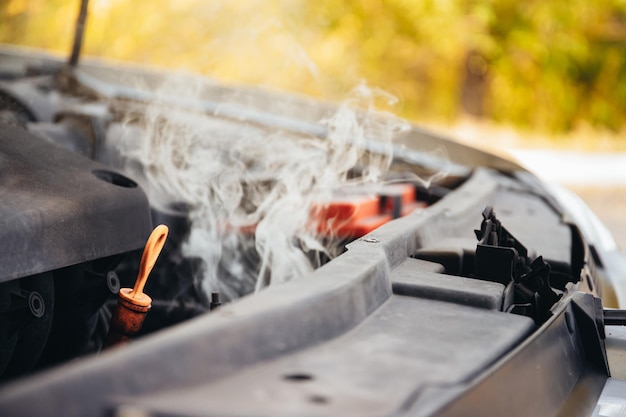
column 370, row 240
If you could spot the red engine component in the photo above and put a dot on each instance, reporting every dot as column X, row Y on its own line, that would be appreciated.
column 354, row 215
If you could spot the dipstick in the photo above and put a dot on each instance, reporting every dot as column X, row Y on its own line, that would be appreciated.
column 133, row 304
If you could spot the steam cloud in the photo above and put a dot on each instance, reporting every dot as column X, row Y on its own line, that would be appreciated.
column 250, row 191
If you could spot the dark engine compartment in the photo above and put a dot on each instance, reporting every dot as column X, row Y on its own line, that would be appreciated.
column 66, row 223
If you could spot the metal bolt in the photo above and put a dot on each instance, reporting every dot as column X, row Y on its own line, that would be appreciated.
column 113, row 282
column 215, row 300
column 36, row 304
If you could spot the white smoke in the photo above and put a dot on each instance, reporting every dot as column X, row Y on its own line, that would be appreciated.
column 250, row 191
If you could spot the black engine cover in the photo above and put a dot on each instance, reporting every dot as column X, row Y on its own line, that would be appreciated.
column 58, row 208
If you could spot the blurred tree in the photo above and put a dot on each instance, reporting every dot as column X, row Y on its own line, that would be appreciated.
column 545, row 64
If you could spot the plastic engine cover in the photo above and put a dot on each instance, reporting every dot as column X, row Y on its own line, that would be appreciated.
column 59, row 209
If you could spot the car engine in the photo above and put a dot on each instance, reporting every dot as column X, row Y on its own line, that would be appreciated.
column 468, row 246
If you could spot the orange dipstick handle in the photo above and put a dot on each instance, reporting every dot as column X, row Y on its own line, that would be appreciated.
column 148, row 259
column 133, row 304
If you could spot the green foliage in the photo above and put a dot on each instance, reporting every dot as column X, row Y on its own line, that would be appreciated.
column 545, row 64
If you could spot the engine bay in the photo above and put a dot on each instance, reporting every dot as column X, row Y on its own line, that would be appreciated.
column 475, row 254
